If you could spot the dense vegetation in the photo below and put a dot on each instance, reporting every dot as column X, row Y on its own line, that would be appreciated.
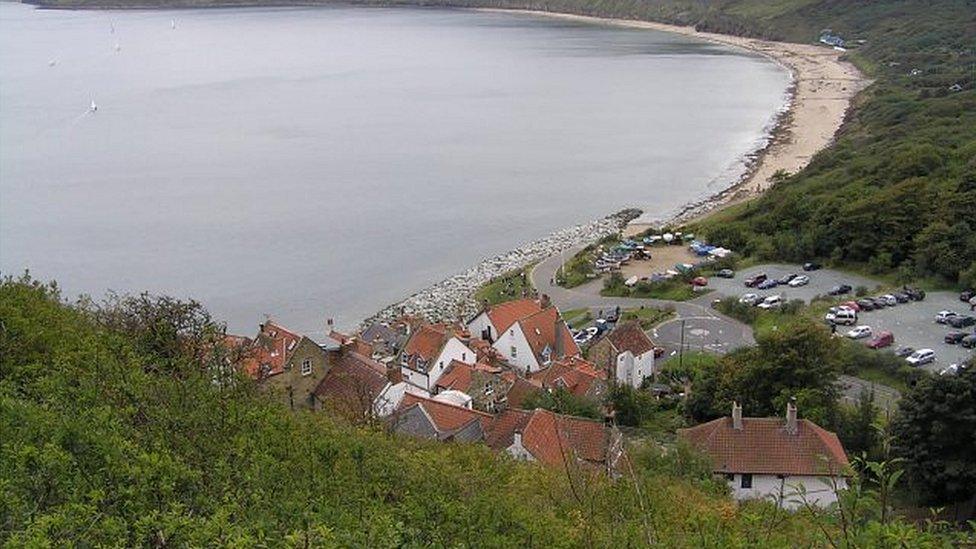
column 123, row 427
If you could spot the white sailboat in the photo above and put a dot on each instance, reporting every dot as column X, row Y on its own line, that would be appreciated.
column 93, row 106
column 52, row 62
column 172, row 23
column 118, row 47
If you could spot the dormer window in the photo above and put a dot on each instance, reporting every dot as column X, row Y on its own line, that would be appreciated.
column 405, row 359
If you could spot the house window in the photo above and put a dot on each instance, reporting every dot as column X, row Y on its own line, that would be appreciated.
column 307, row 367
column 746, row 481
column 514, row 351
column 464, row 357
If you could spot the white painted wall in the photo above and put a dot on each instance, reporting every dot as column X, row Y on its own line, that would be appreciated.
column 819, row 489
column 632, row 370
column 518, row 451
column 524, row 359
column 479, row 324
column 389, row 399
column 452, row 350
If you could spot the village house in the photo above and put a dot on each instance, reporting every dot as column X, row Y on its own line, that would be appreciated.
column 575, row 375
column 427, row 418
column 287, row 364
column 769, row 458
column 556, row 440
column 357, row 389
column 484, row 383
column 627, row 353
column 428, row 353
column 528, row 334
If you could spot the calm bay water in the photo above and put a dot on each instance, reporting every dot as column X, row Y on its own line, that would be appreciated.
column 314, row 163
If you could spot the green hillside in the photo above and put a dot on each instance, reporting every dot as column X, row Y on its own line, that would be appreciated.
column 121, row 428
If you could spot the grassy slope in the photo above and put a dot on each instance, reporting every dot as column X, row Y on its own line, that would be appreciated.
column 104, row 444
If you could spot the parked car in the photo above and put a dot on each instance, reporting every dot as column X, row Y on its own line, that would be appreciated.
column 920, row 357
column 903, row 352
column 755, row 280
column 954, row 337
column 902, row 297
column 582, row 337
column 969, row 341
column 890, row 300
column 950, row 370
column 725, row 273
column 859, row 332
column 767, row 284
column 914, row 293
column 943, row 316
column 840, row 290
column 811, row 266
column 842, row 316
column 658, row 352
column 878, row 302
column 750, row 299
column 960, row 321
column 852, row 305
column 699, row 281
column 866, row 304
column 771, row 302
column 801, row 280
column 966, row 295
column 883, row 339
column 785, row 279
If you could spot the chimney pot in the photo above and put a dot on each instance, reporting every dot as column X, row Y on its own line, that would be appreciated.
column 736, row 416
column 791, row 424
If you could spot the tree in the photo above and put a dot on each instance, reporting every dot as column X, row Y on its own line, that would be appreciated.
column 934, row 431
column 562, row 401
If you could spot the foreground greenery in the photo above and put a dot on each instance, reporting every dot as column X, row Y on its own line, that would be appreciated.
column 122, row 426
column 509, row 286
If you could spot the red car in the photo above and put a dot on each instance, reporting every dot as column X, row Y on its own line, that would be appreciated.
column 699, row 281
column 851, row 305
column 883, row 339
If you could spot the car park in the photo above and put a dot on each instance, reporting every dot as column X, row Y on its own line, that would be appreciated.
column 801, row 280
column 943, row 316
column 960, row 321
column 969, row 341
column 883, row 339
column 785, row 279
column 954, row 337
column 859, row 332
column 866, row 304
column 840, row 290
column 767, row 284
column 811, row 266
column 750, row 299
column 920, row 357
column 903, row 352
column 771, row 302
column 755, row 280
column 725, row 273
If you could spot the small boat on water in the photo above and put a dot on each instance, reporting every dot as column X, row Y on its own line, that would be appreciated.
column 172, row 23
column 118, row 47
column 52, row 62
column 93, row 106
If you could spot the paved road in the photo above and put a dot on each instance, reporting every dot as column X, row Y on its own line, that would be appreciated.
column 705, row 329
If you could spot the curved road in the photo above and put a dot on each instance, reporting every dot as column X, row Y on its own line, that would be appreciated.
column 705, row 329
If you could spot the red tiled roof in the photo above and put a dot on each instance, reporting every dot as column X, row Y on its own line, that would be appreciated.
column 446, row 417
column 427, row 341
column 541, row 331
column 575, row 377
column 458, row 376
column 630, row 337
column 763, row 446
column 553, row 439
column 520, row 391
column 270, row 350
column 353, row 383
column 505, row 314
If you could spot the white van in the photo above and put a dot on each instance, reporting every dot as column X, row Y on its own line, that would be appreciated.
column 843, row 317
column 772, row 302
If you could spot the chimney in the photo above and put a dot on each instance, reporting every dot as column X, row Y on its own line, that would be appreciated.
column 544, row 301
column 791, row 416
column 736, row 416
column 329, row 326
column 558, row 350
column 517, row 439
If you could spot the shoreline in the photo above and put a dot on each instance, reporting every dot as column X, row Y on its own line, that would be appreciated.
column 821, row 92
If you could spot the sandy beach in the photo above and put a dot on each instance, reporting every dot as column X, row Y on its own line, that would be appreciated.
column 820, row 95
